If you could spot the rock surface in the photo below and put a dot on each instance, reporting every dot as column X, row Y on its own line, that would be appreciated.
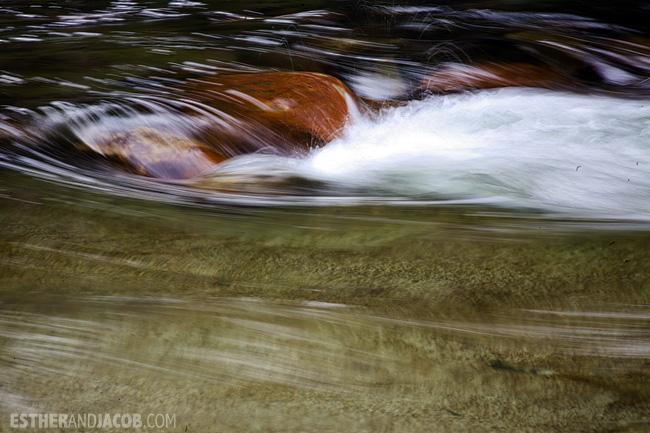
column 457, row 77
column 297, row 109
column 282, row 113
column 150, row 152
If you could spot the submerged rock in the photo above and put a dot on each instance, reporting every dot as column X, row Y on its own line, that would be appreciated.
column 457, row 77
column 283, row 113
column 154, row 153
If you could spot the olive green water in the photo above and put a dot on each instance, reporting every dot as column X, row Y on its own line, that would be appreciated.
column 321, row 320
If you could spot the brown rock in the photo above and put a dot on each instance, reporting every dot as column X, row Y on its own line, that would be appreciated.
column 454, row 78
column 299, row 109
column 240, row 114
column 150, row 152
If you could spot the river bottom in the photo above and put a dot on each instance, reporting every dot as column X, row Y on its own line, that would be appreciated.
column 314, row 320
column 234, row 365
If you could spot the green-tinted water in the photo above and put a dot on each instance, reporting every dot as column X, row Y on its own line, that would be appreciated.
column 334, row 319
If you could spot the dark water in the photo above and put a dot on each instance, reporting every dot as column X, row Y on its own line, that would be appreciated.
column 459, row 260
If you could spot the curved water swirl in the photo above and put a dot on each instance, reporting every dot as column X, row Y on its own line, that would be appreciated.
column 586, row 154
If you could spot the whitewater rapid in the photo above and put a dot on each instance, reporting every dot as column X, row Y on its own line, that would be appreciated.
column 585, row 156
column 517, row 147
column 524, row 148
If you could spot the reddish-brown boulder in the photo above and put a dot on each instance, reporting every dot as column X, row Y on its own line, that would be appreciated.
column 288, row 111
column 454, row 78
column 240, row 114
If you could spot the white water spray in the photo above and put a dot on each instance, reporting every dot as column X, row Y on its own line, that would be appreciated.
column 519, row 147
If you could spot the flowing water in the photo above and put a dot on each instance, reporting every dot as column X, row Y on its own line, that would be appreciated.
column 464, row 260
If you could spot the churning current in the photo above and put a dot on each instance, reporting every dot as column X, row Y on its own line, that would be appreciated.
column 527, row 148
column 581, row 149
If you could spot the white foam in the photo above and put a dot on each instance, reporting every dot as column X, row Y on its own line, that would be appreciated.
column 531, row 148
